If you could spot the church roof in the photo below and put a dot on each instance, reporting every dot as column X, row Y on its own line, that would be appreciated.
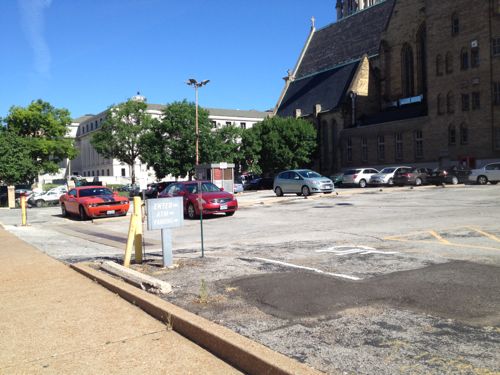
column 346, row 40
column 326, row 88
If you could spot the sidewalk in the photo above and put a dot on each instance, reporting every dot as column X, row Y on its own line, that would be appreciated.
column 56, row 321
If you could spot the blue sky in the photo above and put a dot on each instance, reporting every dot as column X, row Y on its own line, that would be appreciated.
column 85, row 55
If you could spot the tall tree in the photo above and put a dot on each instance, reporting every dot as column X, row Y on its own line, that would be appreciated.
column 170, row 145
column 42, row 131
column 285, row 143
column 118, row 137
column 16, row 164
column 225, row 144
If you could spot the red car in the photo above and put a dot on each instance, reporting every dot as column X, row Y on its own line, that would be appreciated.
column 213, row 199
column 93, row 201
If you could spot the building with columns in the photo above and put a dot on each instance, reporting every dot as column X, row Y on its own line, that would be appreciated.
column 401, row 82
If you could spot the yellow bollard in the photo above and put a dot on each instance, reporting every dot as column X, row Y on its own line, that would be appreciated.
column 130, row 241
column 138, row 229
column 23, row 210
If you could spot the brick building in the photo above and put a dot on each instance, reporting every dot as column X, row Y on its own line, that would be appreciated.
column 401, row 82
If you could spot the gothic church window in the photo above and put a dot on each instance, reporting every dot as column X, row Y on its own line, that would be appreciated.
column 449, row 63
column 450, row 103
column 495, row 46
column 474, row 57
column 421, row 60
column 496, row 93
column 455, row 24
column 364, row 149
column 439, row 65
column 407, row 70
column 349, row 149
column 464, row 134
column 464, row 59
column 452, row 135
column 399, row 146
column 476, row 100
column 381, row 147
column 465, row 102
column 419, row 144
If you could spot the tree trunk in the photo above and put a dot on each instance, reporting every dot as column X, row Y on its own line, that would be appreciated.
column 132, row 173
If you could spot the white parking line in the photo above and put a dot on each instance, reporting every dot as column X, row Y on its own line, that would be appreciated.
column 303, row 268
column 362, row 250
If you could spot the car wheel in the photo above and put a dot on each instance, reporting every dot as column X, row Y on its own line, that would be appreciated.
column 39, row 203
column 298, row 194
column 305, row 191
column 230, row 213
column 493, row 182
column 362, row 183
column 278, row 191
column 454, row 180
column 390, row 182
column 64, row 213
column 418, row 182
column 191, row 212
column 83, row 214
column 482, row 180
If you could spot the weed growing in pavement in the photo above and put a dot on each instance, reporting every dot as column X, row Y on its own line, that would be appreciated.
column 203, row 296
column 169, row 323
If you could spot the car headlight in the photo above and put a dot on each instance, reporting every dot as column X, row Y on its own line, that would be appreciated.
column 316, row 182
column 92, row 205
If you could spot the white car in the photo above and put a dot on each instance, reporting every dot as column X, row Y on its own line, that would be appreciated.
column 358, row 177
column 488, row 173
column 49, row 197
column 385, row 176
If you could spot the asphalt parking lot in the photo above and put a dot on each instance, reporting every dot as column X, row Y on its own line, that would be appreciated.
column 368, row 281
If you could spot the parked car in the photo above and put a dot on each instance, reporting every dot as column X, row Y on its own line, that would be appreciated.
column 489, row 173
column 49, row 197
column 238, row 186
column 214, row 200
column 358, row 177
column 301, row 182
column 411, row 176
column 451, row 175
column 385, row 176
column 93, row 201
column 156, row 188
column 337, row 179
column 260, row 183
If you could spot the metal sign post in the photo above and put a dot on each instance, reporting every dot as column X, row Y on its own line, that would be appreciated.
column 165, row 214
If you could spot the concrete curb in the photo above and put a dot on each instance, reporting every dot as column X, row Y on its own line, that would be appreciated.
column 241, row 352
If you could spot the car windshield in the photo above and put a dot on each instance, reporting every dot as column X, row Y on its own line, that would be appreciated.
column 206, row 187
column 309, row 174
column 387, row 170
column 95, row 191
column 351, row 171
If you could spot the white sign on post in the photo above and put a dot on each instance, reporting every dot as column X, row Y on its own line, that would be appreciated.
column 165, row 214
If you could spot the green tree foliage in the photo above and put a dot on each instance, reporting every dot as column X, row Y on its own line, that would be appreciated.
column 170, row 146
column 225, row 144
column 251, row 146
column 118, row 137
column 39, row 131
column 16, row 163
column 281, row 143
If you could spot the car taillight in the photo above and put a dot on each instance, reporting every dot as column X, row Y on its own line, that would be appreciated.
column 406, row 174
column 445, row 173
column 354, row 175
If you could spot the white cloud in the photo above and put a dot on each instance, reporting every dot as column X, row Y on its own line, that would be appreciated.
column 32, row 19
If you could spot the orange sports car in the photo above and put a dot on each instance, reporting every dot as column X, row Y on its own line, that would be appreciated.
column 93, row 201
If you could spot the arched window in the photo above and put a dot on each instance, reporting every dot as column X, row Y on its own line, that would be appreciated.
column 407, row 73
column 422, row 61
column 440, row 110
column 464, row 59
column 439, row 65
column 452, row 135
column 455, row 24
column 464, row 134
column 449, row 63
column 450, row 103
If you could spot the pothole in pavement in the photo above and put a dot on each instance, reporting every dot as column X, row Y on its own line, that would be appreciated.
column 464, row 291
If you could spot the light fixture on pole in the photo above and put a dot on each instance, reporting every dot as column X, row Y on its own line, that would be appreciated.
column 196, row 85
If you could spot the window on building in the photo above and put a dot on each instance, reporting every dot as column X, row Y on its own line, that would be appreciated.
column 465, row 102
column 449, row 63
column 464, row 134
column 419, row 144
column 84, row 174
column 455, row 24
column 399, row 146
column 474, row 57
column 452, row 135
column 91, row 126
column 450, row 102
column 349, row 149
column 496, row 93
column 97, row 172
column 364, row 149
column 497, row 138
column 107, row 172
column 123, row 172
column 495, row 46
column 243, row 125
column 381, row 147
column 440, row 104
column 93, row 173
column 102, row 172
column 476, row 100
column 439, row 65
column 464, row 59
column 407, row 72
column 214, row 124
column 87, row 128
column 229, row 123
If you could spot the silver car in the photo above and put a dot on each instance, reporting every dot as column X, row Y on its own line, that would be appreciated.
column 488, row 173
column 385, row 176
column 301, row 182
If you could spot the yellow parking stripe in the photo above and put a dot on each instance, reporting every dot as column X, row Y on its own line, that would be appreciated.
column 438, row 237
column 490, row 236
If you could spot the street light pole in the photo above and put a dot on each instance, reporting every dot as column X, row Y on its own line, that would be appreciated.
column 196, row 85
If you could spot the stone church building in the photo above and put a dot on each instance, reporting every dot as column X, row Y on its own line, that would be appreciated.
column 396, row 82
